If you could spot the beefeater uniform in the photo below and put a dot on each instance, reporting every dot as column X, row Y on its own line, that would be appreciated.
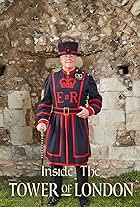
column 67, row 137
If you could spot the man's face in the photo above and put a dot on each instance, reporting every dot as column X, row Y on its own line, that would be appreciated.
column 68, row 61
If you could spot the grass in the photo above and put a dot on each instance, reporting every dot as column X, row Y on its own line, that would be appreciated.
column 6, row 200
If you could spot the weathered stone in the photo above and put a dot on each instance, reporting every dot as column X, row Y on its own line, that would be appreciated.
column 137, row 165
column 21, row 135
column 99, row 151
column 109, row 168
column 19, row 100
column 36, row 151
column 125, row 138
column 104, row 163
column 34, row 100
column 137, row 153
column 104, row 135
column 132, row 104
column 111, row 84
column 135, row 10
column 122, row 153
column 133, row 121
column 18, row 152
column 137, row 138
column 95, row 133
column 1, row 1
column 5, row 152
column 124, row 2
column 111, row 118
column 127, row 93
column 29, row 151
column 4, row 136
column 113, row 100
column 93, row 120
column 8, row 168
column 136, row 88
column 1, row 102
column 13, row 117
column 122, row 164
column 1, row 119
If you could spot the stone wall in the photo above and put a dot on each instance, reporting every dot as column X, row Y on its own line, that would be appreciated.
column 108, row 33
column 115, row 132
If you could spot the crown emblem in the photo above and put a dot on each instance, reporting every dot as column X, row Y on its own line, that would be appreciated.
column 67, row 82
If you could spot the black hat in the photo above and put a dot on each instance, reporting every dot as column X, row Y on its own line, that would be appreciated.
column 68, row 47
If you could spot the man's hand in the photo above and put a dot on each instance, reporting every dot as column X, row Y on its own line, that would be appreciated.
column 41, row 126
column 84, row 113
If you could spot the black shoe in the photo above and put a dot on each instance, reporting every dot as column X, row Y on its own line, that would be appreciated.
column 84, row 202
column 53, row 201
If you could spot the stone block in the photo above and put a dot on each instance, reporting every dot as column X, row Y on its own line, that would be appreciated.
column 109, row 168
column 4, row 136
column 137, row 137
column 36, row 151
column 1, row 1
column 125, row 138
column 133, row 121
column 93, row 120
column 122, row 153
column 128, row 93
column 120, row 164
column 1, row 102
column 5, row 152
column 132, row 104
column 136, row 88
column 99, row 151
column 21, row 135
column 24, row 152
column 8, row 168
column 111, row 84
column 104, row 135
column 29, row 151
column 137, row 148
column 112, row 100
column 135, row 10
column 14, row 117
column 137, row 165
column 112, row 118
column 19, row 100
column 96, row 135
column 52, row 63
column 18, row 153
column 1, row 119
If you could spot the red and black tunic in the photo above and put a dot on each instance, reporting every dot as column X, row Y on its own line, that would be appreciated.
column 67, row 136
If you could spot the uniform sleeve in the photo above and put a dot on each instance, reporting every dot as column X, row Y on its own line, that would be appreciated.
column 95, row 99
column 45, row 104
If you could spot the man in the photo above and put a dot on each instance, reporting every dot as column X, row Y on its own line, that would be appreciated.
column 64, row 112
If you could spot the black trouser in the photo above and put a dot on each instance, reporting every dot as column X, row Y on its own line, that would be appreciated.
column 81, row 179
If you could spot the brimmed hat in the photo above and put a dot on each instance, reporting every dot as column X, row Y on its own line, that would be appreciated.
column 68, row 47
